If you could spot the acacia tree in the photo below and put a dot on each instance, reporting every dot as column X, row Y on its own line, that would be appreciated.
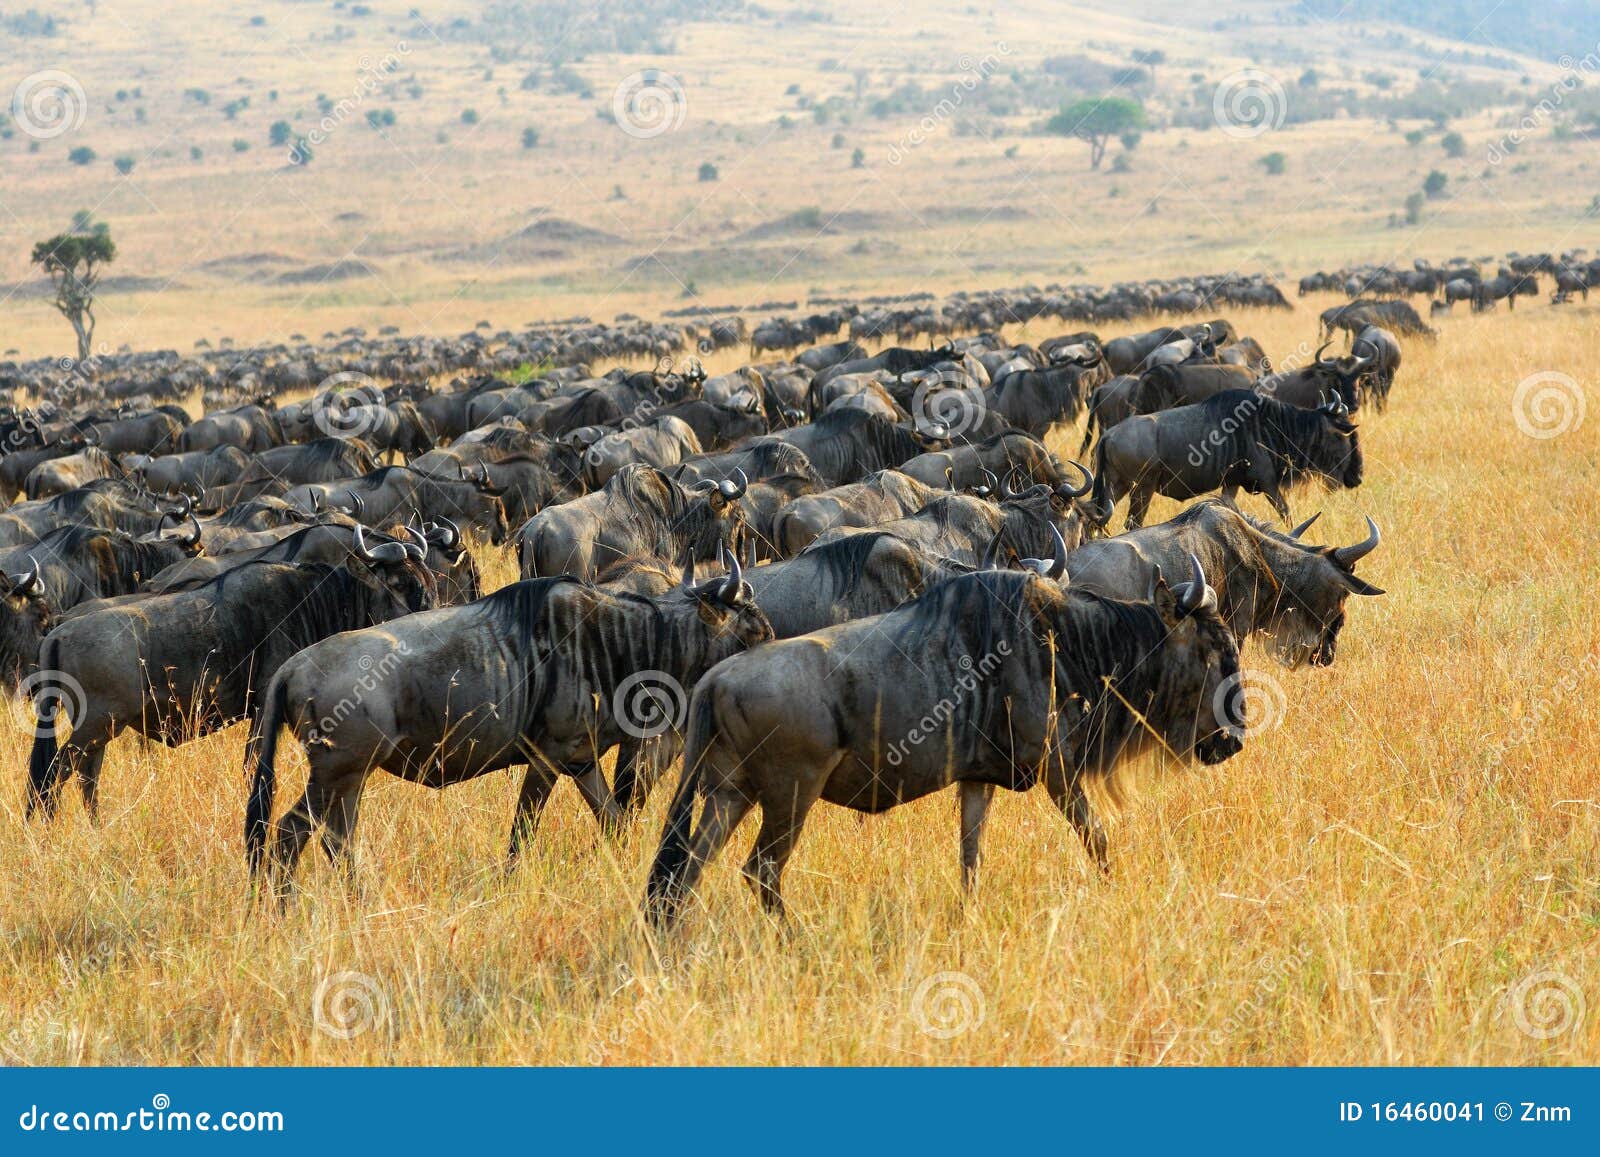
column 1097, row 121
column 74, row 262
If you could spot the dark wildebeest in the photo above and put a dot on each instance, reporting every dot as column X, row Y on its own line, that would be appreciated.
column 881, row 497
column 850, row 578
column 1166, row 387
column 109, row 503
column 194, row 472
column 147, row 432
column 322, row 460
column 847, row 445
column 663, row 443
column 1000, row 679
column 1109, row 403
column 959, row 527
column 1036, row 401
column 66, row 568
column 718, row 427
column 399, row 494
column 174, row 667
column 1323, row 381
column 1232, row 440
column 59, row 475
column 1379, row 352
column 332, row 543
column 1131, row 354
column 1266, row 582
column 966, row 467
column 252, row 427
column 550, row 673
column 640, row 512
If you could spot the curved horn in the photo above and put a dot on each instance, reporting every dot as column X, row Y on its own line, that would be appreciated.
column 1304, row 526
column 26, row 582
column 1066, row 491
column 1057, row 564
column 739, row 487
column 1195, row 593
column 452, row 531
column 990, row 482
column 991, row 553
column 357, row 506
column 190, row 539
column 1006, row 493
column 1350, row 555
column 386, row 552
column 1320, row 348
column 418, row 540
column 728, row 592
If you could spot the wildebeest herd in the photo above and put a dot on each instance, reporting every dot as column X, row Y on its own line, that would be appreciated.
column 717, row 572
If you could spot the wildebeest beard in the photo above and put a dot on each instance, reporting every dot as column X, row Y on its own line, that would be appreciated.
column 1077, row 669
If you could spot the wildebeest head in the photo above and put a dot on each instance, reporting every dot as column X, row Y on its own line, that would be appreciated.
column 398, row 569
column 726, row 520
column 25, row 618
column 1336, row 454
column 1204, row 709
column 1313, row 584
column 727, row 605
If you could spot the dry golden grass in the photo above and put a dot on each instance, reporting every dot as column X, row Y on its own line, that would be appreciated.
column 1362, row 885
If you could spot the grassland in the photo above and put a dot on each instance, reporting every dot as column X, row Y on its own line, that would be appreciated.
column 1400, row 867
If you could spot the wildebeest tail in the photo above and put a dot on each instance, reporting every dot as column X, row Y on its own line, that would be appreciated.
column 263, row 742
column 1101, row 503
column 1089, row 423
column 43, row 769
column 663, row 891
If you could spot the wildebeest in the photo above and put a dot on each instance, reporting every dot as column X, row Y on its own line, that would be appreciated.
column 177, row 666
column 1234, row 439
column 662, row 443
column 70, row 566
column 1267, row 582
column 1000, row 679
column 847, row 445
column 850, row 578
column 1037, row 400
column 959, row 527
column 59, row 475
column 965, row 466
column 549, row 672
column 640, row 512
column 399, row 493
column 193, row 472
column 878, row 498
column 252, row 427
column 109, row 503
column 1378, row 350
column 1164, row 387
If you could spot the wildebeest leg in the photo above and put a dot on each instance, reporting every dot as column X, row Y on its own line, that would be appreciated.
column 295, row 828
column 592, row 785
column 721, row 815
column 1275, row 496
column 625, row 781
column 537, row 784
column 1138, row 506
column 975, row 800
column 781, row 821
column 87, row 762
column 1067, row 792
column 342, row 809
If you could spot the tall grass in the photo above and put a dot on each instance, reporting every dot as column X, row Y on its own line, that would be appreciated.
column 1403, row 871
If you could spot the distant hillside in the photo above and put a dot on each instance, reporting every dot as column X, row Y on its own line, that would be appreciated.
column 1549, row 30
